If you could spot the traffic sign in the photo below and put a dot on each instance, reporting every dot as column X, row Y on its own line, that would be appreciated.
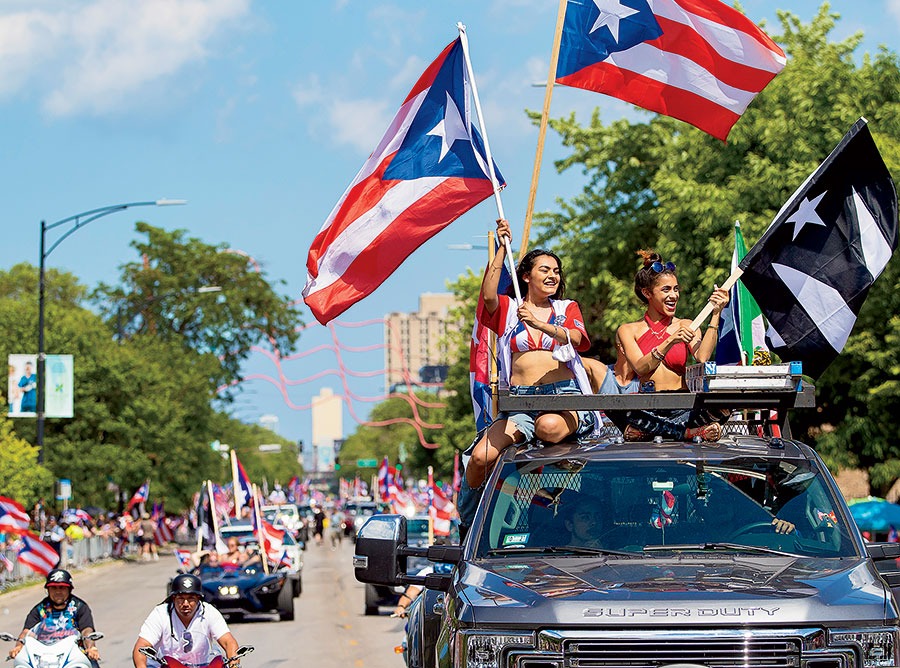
column 367, row 463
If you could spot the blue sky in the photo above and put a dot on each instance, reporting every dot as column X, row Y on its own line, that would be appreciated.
column 260, row 114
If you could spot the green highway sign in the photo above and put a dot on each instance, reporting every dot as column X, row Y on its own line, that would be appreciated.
column 367, row 463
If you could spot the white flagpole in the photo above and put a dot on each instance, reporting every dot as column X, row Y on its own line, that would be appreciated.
column 236, row 485
column 213, row 512
column 260, row 538
column 464, row 40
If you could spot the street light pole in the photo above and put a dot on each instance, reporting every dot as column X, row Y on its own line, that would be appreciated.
column 78, row 221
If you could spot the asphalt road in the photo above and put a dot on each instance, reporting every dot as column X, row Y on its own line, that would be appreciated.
column 329, row 629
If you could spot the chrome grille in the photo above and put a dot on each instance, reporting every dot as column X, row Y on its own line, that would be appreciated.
column 736, row 652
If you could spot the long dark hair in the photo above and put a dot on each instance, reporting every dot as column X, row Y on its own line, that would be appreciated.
column 647, row 276
column 527, row 264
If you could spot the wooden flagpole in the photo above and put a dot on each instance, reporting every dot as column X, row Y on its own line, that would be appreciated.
column 493, row 372
column 707, row 310
column 464, row 40
column 542, row 130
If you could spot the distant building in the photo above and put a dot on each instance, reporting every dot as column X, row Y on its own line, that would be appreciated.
column 416, row 343
column 327, row 428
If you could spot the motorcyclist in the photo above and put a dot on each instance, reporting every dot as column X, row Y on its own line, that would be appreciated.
column 71, row 611
column 184, row 627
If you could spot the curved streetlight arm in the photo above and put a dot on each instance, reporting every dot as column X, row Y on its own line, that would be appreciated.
column 94, row 214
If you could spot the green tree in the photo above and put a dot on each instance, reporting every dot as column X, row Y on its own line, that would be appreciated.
column 165, row 295
column 664, row 185
column 21, row 477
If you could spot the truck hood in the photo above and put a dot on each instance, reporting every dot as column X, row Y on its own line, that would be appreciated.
column 687, row 589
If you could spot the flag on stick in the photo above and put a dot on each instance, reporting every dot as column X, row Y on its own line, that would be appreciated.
column 812, row 269
column 139, row 497
column 741, row 327
column 700, row 61
column 429, row 169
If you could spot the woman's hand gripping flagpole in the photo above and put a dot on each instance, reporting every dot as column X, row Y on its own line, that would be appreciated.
column 490, row 160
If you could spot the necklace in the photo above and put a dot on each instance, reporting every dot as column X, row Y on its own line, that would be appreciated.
column 659, row 332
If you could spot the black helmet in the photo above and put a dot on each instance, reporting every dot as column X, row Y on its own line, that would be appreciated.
column 186, row 584
column 59, row 578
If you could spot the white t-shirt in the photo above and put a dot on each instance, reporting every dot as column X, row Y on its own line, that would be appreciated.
column 194, row 644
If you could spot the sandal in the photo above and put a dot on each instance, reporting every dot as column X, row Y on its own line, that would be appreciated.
column 709, row 432
column 632, row 433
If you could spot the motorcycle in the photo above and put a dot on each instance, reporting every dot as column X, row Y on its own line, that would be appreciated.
column 48, row 645
column 217, row 662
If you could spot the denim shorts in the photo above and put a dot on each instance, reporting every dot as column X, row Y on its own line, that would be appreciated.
column 524, row 420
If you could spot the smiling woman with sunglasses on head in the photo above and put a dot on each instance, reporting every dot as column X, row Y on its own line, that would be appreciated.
column 658, row 348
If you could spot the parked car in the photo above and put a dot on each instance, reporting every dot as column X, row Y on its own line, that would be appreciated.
column 245, row 534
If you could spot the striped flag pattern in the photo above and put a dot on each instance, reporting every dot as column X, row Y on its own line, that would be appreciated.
column 36, row 554
column 13, row 516
column 700, row 61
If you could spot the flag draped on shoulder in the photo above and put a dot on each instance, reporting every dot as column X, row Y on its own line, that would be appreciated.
column 812, row 269
column 700, row 61
column 741, row 328
column 427, row 170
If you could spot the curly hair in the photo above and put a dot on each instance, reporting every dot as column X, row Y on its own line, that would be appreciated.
column 646, row 277
column 527, row 264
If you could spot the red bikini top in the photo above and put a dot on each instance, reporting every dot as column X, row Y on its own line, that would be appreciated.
column 676, row 358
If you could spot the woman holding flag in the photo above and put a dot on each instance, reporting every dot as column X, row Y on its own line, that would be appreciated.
column 533, row 339
column 658, row 347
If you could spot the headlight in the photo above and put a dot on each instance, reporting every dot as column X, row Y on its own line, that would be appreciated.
column 228, row 590
column 48, row 661
column 878, row 647
column 485, row 650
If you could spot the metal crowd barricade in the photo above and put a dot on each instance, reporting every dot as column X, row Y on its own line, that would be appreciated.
column 73, row 555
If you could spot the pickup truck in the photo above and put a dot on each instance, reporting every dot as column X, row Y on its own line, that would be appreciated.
column 609, row 554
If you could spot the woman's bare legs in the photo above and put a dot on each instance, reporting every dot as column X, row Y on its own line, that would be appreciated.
column 501, row 434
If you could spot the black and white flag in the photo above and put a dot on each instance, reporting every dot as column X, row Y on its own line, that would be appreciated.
column 812, row 269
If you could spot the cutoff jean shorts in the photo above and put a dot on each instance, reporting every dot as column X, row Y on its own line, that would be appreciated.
column 524, row 420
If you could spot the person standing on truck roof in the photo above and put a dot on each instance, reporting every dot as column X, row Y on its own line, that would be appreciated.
column 532, row 336
column 658, row 347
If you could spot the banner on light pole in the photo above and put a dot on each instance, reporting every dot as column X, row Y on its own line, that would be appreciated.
column 59, row 386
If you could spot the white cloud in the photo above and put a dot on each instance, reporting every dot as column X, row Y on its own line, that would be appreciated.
column 355, row 122
column 95, row 57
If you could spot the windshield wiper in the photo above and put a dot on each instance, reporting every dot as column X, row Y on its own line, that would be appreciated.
column 560, row 549
column 712, row 547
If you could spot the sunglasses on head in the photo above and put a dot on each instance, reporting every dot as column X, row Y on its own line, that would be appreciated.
column 659, row 267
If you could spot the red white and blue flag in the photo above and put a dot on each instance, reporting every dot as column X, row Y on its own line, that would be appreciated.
column 428, row 169
column 184, row 560
column 440, row 508
column 700, row 61
column 243, row 490
column 140, row 496
column 13, row 516
column 36, row 554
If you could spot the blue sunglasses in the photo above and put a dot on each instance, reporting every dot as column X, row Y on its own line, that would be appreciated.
column 659, row 267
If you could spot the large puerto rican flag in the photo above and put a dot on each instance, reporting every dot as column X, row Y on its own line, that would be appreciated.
column 700, row 61
column 429, row 169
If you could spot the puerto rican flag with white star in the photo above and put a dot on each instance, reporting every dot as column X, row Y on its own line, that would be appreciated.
column 428, row 169
column 700, row 61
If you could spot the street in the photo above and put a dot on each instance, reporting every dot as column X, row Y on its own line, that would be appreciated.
column 329, row 631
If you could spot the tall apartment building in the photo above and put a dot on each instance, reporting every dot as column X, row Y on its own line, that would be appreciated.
column 327, row 428
column 418, row 340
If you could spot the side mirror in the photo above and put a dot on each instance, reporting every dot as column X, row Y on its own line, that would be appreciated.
column 9, row 637
column 378, row 542
column 94, row 635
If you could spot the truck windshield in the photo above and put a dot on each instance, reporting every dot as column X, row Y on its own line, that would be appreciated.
column 617, row 505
